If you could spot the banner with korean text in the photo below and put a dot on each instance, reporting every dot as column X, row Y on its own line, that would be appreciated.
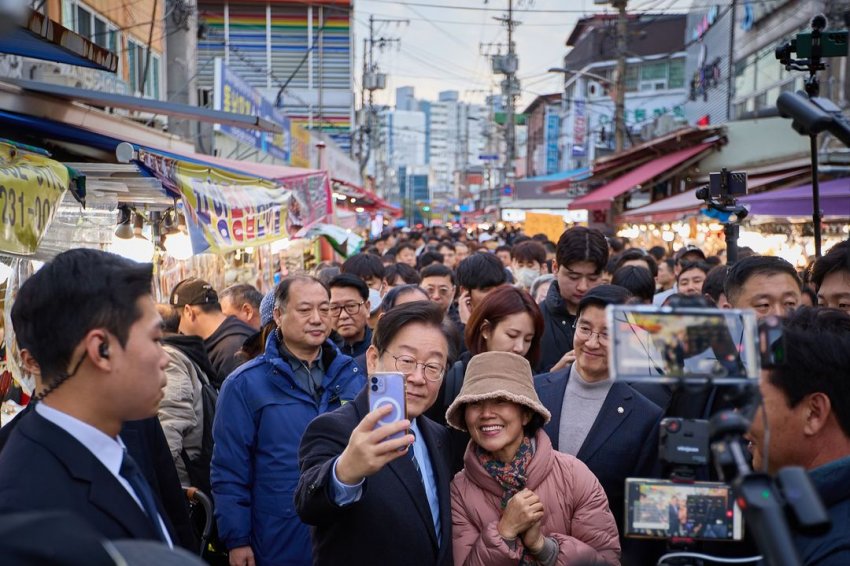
column 226, row 210
column 31, row 188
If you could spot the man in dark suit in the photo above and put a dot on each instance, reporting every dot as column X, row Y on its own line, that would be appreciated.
column 607, row 425
column 369, row 498
column 88, row 324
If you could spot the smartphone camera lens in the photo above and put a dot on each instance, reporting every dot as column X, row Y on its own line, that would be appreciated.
column 374, row 387
column 374, row 380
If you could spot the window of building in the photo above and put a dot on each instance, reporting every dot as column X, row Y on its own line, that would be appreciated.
column 676, row 74
column 137, row 59
column 632, row 72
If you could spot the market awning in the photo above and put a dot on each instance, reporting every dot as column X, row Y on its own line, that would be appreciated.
column 602, row 197
column 542, row 184
column 42, row 38
column 364, row 198
column 107, row 99
column 797, row 201
column 687, row 203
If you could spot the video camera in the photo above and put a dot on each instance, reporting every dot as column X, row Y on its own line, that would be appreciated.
column 700, row 349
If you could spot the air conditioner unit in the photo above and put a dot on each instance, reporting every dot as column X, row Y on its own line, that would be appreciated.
column 54, row 74
column 595, row 89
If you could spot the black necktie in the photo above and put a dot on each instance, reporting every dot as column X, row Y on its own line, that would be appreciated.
column 130, row 472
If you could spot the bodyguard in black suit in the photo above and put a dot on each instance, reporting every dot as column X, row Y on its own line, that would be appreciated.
column 55, row 471
column 87, row 326
column 373, row 500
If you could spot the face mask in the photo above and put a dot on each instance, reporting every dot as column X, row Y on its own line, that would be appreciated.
column 525, row 276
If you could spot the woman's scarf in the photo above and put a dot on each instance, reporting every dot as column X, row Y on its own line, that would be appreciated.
column 511, row 476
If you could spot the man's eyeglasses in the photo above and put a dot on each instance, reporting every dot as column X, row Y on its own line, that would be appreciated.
column 586, row 333
column 350, row 308
column 408, row 364
column 441, row 291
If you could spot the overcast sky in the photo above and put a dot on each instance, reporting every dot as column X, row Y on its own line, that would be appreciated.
column 440, row 47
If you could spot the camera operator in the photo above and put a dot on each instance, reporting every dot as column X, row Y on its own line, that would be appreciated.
column 806, row 403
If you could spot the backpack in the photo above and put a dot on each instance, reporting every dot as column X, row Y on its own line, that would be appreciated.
column 199, row 468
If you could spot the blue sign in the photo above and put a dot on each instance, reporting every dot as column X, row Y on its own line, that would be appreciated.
column 488, row 157
column 232, row 94
column 553, row 130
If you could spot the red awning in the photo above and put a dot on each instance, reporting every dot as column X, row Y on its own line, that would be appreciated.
column 365, row 198
column 601, row 198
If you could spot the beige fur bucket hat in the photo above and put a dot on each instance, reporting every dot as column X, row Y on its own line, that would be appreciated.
column 496, row 375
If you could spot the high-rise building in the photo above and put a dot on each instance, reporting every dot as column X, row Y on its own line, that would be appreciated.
column 405, row 99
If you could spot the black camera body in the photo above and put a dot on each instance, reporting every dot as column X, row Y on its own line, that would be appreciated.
column 683, row 442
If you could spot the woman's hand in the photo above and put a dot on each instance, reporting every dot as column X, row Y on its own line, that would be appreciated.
column 533, row 540
column 523, row 510
column 565, row 360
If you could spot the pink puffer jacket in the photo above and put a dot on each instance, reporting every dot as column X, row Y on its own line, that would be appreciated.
column 576, row 511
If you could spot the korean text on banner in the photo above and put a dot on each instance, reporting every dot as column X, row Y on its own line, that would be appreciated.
column 31, row 188
column 540, row 223
column 234, row 211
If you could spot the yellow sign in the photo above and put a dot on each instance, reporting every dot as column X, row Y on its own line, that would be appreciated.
column 541, row 223
column 300, row 146
column 31, row 188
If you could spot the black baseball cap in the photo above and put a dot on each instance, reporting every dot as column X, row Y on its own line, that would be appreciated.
column 689, row 249
column 193, row 291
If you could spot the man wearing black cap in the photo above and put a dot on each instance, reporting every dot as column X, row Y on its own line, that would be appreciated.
column 196, row 302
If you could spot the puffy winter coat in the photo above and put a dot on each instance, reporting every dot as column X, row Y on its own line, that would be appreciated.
column 261, row 416
column 576, row 511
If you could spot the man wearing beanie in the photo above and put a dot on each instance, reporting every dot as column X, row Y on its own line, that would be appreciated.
column 606, row 424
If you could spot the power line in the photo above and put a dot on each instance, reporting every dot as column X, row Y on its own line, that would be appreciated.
column 480, row 9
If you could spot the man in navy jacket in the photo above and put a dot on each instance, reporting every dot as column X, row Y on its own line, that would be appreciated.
column 263, row 409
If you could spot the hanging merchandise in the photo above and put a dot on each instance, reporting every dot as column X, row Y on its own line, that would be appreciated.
column 31, row 187
column 228, row 211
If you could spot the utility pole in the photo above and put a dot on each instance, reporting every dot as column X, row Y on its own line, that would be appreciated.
column 507, row 65
column 730, row 83
column 620, row 84
column 374, row 80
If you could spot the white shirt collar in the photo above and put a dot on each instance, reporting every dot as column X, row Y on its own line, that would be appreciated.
column 110, row 451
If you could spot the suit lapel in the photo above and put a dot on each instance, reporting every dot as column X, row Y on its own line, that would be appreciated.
column 105, row 492
column 551, row 390
column 614, row 411
column 412, row 482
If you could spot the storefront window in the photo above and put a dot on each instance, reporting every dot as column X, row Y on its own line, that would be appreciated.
column 676, row 77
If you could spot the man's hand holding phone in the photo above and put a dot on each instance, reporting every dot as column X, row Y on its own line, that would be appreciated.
column 369, row 450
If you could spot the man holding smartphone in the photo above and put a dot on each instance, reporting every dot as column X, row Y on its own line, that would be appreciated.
column 371, row 499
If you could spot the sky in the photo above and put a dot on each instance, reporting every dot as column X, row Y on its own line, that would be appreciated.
column 440, row 45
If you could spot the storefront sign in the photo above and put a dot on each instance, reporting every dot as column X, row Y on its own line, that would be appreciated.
column 226, row 211
column 300, row 146
column 232, row 94
column 31, row 188
column 705, row 22
column 579, row 129
column 552, row 132
column 539, row 223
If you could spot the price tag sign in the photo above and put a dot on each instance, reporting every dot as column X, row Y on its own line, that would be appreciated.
column 31, row 188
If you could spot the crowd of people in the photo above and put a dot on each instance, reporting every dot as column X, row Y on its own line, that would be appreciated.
column 516, row 443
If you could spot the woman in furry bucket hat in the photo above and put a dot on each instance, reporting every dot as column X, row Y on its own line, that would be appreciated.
column 517, row 499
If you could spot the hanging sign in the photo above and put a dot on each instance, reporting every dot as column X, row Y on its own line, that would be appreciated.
column 31, row 188
column 227, row 211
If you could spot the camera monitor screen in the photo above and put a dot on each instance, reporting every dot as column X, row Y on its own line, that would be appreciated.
column 663, row 345
column 663, row 509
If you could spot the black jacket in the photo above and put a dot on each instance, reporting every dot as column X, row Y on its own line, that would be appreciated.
column 62, row 474
column 223, row 345
column 356, row 349
column 557, row 329
column 391, row 524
